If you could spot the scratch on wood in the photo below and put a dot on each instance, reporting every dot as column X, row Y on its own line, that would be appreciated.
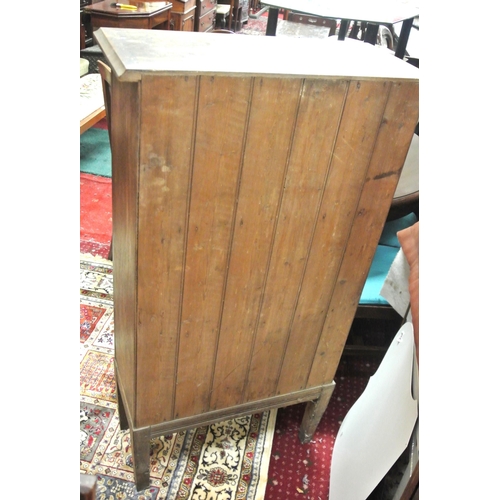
column 386, row 174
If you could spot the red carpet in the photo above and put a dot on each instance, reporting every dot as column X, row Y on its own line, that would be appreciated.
column 302, row 471
column 102, row 124
column 95, row 214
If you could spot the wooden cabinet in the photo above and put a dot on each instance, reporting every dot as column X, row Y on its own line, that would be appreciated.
column 310, row 20
column 184, row 21
column 249, row 196
column 183, row 15
column 205, row 18
column 85, row 25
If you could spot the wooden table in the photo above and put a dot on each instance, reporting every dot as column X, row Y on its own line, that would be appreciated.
column 375, row 13
column 148, row 15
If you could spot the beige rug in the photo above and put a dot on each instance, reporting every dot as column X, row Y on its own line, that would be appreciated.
column 224, row 461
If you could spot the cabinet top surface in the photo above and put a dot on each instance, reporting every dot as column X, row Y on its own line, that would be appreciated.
column 135, row 52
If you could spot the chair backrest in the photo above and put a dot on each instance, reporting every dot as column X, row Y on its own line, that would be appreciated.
column 406, row 197
column 105, row 72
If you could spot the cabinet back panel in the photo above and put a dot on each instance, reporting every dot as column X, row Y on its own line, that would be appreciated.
column 221, row 124
column 269, row 137
column 168, row 115
column 389, row 153
column 249, row 189
column 247, row 206
column 361, row 116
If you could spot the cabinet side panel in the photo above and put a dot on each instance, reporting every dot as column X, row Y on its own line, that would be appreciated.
column 270, row 131
column 361, row 118
column 393, row 141
column 318, row 119
column 220, row 133
column 125, row 154
column 167, row 121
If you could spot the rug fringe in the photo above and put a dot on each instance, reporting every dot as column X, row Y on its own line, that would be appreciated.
column 95, row 258
column 266, row 456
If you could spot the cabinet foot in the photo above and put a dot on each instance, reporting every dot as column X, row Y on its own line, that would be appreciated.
column 313, row 413
column 140, row 441
column 121, row 411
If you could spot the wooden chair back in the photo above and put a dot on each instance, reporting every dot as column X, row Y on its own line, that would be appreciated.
column 105, row 72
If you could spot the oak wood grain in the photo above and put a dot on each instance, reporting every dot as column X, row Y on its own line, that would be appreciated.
column 246, row 212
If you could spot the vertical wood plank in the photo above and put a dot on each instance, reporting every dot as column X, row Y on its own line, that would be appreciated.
column 317, row 124
column 361, row 118
column 221, row 124
column 397, row 128
column 270, row 130
column 125, row 157
column 168, row 118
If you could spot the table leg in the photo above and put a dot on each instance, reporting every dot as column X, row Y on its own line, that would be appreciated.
column 272, row 21
column 371, row 33
column 230, row 17
column 403, row 38
column 344, row 24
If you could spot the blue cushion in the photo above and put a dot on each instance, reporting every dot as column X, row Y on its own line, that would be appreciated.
column 384, row 256
column 389, row 237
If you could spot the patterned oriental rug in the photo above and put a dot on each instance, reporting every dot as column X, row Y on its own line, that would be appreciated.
column 224, row 461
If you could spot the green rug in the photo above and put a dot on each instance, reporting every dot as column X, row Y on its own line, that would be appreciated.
column 95, row 152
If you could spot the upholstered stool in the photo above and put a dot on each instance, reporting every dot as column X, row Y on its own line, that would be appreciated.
column 385, row 254
column 84, row 66
column 221, row 15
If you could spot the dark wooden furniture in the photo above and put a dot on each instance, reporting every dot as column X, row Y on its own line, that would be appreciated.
column 245, row 7
column 374, row 14
column 248, row 200
column 88, row 487
column 205, row 15
column 298, row 17
column 411, row 491
column 85, row 26
column 148, row 15
column 184, row 15
column 234, row 22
